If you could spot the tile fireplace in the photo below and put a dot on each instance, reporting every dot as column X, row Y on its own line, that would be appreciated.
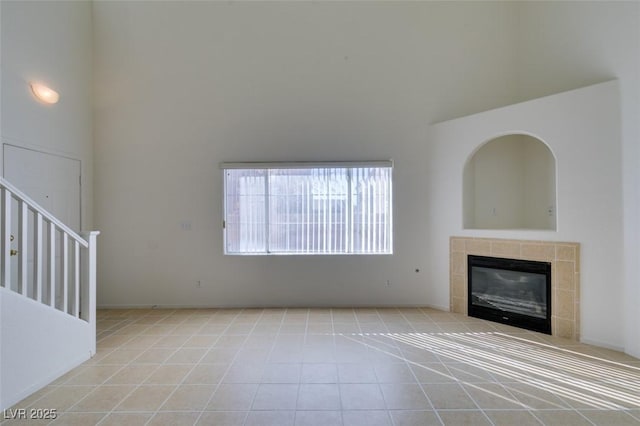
column 563, row 259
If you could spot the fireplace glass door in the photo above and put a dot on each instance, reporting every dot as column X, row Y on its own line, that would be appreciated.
column 511, row 291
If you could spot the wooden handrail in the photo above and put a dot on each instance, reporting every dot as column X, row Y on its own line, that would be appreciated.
column 45, row 214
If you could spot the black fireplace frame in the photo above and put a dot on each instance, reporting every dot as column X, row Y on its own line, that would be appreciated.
column 542, row 325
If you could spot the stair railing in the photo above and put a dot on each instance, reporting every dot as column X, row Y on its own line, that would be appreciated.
column 45, row 260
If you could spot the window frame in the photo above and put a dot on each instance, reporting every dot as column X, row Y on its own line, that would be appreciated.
column 267, row 166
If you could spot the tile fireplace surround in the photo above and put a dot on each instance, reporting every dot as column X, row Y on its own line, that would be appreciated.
column 565, row 275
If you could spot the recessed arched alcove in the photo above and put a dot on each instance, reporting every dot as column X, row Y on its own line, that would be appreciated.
column 510, row 183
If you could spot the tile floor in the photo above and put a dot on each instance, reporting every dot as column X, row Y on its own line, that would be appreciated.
column 337, row 367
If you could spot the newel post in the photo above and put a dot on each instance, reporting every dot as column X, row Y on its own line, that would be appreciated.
column 88, row 292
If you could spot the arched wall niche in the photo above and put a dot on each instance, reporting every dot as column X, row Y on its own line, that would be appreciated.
column 509, row 182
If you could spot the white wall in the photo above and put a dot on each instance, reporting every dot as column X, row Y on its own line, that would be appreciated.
column 182, row 86
column 581, row 128
column 565, row 45
column 49, row 42
column 33, row 356
column 499, row 184
column 539, row 185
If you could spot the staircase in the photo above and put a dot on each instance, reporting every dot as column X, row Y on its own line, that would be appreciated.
column 47, row 296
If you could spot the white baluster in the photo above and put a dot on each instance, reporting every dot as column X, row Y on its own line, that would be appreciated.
column 76, row 278
column 6, row 234
column 23, row 234
column 38, row 258
column 65, row 271
column 52, row 264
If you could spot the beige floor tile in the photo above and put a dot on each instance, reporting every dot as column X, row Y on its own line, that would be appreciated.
column 611, row 417
column 533, row 397
column 401, row 396
column 146, row 398
column 187, row 329
column 78, row 419
column 511, row 418
column 203, row 374
column 141, row 342
column 212, row 329
column 187, row 356
column 361, row 397
column 14, row 419
column 318, row 418
column 159, row 330
column 133, row 329
column 103, row 398
column 385, row 355
column 113, row 341
column 26, row 402
column 174, row 419
column 154, row 356
column 126, row 419
column 448, row 396
column 243, row 373
column 394, row 373
column 201, row 341
column 266, row 328
column 169, row 374
column 320, row 328
column 276, row 397
column 419, row 355
column 319, row 397
column 170, row 341
column 222, row 418
column 348, row 328
column 469, row 373
column 62, row 398
column 218, row 355
column 366, row 418
column 432, row 373
column 120, row 356
column 228, row 341
column 282, row 373
column 252, row 356
column 463, row 418
column 240, row 328
column 415, row 418
column 189, row 398
column 132, row 374
column 270, row 418
column 319, row 373
column 561, row 418
column 492, row 396
column 232, row 397
column 93, row 375
column 357, row 373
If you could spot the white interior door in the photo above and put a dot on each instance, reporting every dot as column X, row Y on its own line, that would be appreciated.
column 50, row 180
column 53, row 182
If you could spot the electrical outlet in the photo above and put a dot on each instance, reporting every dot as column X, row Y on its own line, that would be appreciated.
column 388, row 283
column 199, row 284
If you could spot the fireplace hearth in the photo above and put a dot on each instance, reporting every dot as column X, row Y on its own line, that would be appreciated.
column 510, row 291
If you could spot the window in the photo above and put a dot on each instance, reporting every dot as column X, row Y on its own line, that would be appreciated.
column 308, row 208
